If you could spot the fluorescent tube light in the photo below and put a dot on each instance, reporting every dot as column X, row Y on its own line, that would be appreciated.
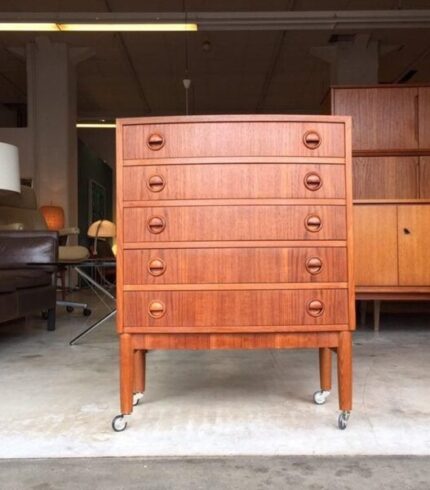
column 96, row 125
column 157, row 27
column 28, row 26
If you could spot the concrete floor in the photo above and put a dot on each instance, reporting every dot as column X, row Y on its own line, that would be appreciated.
column 58, row 401
column 233, row 473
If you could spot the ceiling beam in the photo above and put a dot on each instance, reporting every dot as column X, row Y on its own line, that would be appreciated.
column 236, row 21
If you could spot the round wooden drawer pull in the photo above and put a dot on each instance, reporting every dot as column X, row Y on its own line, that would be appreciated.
column 156, row 267
column 156, row 183
column 313, row 181
column 314, row 265
column 156, row 224
column 313, row 223
column 312, row 140
column 315, row 308
column 156, row 309
column 155, row 142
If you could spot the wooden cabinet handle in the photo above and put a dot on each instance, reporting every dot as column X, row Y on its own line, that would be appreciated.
column 155, row 142
column 313, row 223
column 156, row 224
column 314, row 265
column 315, row 308
column 312, row 139
column 313, row 181
column 156, row 183
column 156, row 309
column 156, row 267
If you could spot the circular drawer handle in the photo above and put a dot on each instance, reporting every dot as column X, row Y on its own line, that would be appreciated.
column 155, row 142
column 313, row 223
column 313, row 181
column 156, row 267
column 312, row 139
column 156, row 224
column 156, row 183
column 315, row 308
column 156, row 309
column 314, row 265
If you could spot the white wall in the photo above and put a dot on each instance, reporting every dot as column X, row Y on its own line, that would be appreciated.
column 23, row 139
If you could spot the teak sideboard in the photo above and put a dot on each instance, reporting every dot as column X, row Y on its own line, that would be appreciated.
column 234, row 232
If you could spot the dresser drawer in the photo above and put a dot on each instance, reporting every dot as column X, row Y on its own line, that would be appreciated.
column 235, row 265
column 233, row 139
column 224, row 181
column 235, row 222
column 216, row 310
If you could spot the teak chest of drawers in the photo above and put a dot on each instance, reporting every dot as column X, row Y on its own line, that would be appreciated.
column 234, row 232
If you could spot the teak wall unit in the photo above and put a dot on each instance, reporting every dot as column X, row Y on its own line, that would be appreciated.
column 391, row 189
column 234, row 232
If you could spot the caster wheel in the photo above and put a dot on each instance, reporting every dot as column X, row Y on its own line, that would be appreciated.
column 320, row 397
column 342, row 421
column 69, row 309
column 87, row 312
column 119, row 423
column 137, row 397
column 44, row 315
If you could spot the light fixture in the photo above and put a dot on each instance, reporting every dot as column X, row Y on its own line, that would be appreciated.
column 9, row 168
column 101, row 228
column 96, row 125
column 54, row 216
column 102, row 26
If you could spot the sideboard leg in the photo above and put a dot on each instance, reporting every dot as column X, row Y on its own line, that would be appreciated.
column 344, row 370
column 126, row 373
column 139, row 375
column 320, row 397
column 376, row 314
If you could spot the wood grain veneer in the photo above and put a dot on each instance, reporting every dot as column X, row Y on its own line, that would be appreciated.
column 227, row 181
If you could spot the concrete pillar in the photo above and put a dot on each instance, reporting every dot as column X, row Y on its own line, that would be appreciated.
column 51, row 81
column 353, row 62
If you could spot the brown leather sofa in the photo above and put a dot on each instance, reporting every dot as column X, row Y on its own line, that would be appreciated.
column 24, row 288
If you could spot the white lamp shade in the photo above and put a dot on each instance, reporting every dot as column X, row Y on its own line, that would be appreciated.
column 102, row 229
column 9, row 168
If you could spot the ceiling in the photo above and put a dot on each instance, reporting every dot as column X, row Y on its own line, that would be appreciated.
column 231, row 71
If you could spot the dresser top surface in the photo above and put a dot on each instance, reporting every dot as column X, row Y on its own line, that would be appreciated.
column 234, row 118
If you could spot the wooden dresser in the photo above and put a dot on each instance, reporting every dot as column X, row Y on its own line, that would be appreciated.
column 391, row 190
column 234, row 232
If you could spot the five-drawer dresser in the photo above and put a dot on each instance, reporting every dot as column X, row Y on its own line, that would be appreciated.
column 234, row 232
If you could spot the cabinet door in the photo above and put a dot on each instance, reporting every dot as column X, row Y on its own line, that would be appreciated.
column 424, row 117
column 385, row 177
column 382, row 118
column 424, row 177
column 414, row 245
column 375, row 245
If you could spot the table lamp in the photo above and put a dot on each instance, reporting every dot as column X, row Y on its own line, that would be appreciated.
column 9, row 168
column 54, row 216
column 101, row 228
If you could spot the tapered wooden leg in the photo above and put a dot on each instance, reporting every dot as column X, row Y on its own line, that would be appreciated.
column 344, row 370
column 325, row 368
column 139, row 371
column 363, row 312
column 376, row 314
column 126, row 373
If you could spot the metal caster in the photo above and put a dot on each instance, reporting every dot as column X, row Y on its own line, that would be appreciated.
column 320, row 397
column 342, row 421
column 69, row 309
column 137, row 397
column 119, row 423
column 87, row 312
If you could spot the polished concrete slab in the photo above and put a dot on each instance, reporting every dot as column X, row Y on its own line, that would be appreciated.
column 233, row 473
column 58, row 401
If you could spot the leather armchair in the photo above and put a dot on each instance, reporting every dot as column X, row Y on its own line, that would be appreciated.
column 24, row 288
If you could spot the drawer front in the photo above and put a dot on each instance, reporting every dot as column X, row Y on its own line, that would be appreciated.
column 235, row 265
column 224, row 181
column 234, row 139
column 213, row 310
column 207, row 223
